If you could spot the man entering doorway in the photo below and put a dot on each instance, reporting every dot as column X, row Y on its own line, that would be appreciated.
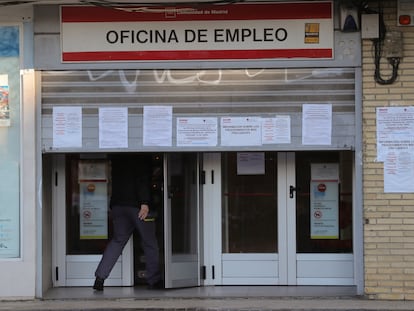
column 130, row 207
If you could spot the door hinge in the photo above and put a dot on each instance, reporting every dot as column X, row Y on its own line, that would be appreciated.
column 203, row 272
column 213, row 273
column 57, row 273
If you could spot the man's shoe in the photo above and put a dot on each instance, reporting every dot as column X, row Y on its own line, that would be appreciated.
column 157, row 285
column 99, row 284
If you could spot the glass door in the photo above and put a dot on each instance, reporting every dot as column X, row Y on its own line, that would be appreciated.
column 324, row 221
column 181, row 220
column 286, row 219
column 250, row 218
column 82, row 222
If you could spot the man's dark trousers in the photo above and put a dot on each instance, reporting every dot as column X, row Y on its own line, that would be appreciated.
column 125, row 220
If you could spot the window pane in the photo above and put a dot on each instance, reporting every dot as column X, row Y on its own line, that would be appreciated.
column 249, row 221
column 343, row 218
column 9, row 142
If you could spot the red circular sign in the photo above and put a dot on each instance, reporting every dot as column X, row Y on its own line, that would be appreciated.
column 321, row 187
column 91, row 187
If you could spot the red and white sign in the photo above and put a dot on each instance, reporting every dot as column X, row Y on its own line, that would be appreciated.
column 300, row 30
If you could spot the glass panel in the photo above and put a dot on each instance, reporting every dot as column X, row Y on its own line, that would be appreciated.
column 249, row 211
column 9, row 142
column 340, row 219
column 183, row 187
column 85, row 237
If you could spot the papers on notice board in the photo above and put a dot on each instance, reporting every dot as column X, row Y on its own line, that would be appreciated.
column 67, row 127
column 113, row 127
column 157, row 129
column 276, row 130
column 316, row 124
column 395, row 130
column 241, row 131
column 399, row 172
column 196, row 132
column 395, row 147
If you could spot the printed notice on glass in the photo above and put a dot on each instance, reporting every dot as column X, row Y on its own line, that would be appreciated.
column 157, row 126
column 93, row 211
column 316, row 124
column 241, row 131
column 324, row 202
column 113, row 127
column 67, row 127
column 9, row 209
column 276, row 130
column 4, row 101
column 250, row 163
column 195, row 132
column 399, row 172
column 93, row 199
column 395, row 130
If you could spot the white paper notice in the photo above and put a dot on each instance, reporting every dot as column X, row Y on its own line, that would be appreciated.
column 250, row 163
column 157, row 126
column 241, row 131
column 67, row 127
column 395, row 130
column 196, row 132
column 276, row 130
column 399, row 172
column 113, row 127
column 316, row 124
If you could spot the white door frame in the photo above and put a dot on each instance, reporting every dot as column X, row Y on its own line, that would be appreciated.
column 78, row 270
column 286, row 218
column 212, row 212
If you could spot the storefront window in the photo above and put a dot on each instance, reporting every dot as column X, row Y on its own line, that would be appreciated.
column 9, row 142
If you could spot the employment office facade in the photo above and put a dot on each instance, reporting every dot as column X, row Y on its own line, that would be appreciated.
column 262, row 134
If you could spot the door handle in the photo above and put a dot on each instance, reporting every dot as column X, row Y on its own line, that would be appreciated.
column 292, row 189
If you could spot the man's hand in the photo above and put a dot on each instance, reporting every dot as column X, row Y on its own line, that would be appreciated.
column 143, row 212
